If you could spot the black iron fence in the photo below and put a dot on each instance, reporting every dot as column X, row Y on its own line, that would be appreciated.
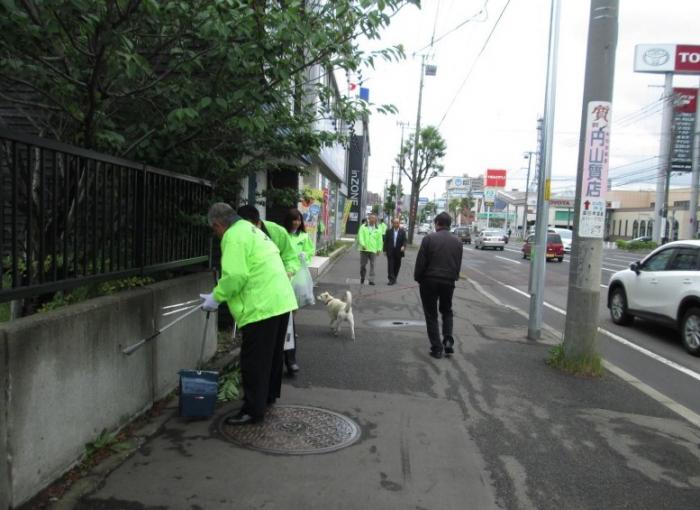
column 70, row 216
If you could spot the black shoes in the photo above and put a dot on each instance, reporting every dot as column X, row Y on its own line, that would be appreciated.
column 292, row 368
column 436, row 354
column 391, row 283
column 362, row 281
column 449, row 342
column 371, row 283
column 242, row 419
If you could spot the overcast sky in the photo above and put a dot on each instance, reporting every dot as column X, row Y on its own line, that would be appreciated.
column 491, row 121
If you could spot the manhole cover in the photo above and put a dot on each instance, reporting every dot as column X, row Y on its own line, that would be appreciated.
column 294, row 430
column 395, row 323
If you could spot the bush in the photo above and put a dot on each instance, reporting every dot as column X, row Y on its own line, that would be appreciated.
column 635, row 245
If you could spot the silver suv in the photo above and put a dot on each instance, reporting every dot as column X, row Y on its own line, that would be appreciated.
column 663, row 287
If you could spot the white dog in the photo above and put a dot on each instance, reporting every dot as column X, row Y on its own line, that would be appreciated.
column 339, row 311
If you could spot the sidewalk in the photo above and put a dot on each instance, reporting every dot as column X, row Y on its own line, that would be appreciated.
column 491, row 427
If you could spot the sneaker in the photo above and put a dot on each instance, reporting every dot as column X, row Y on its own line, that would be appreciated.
column 436, row 354
column 371, row 283
column 362, row 281
column 449, row 342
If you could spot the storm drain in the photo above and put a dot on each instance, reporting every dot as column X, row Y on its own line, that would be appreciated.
column 294, row 430
column 396, row 323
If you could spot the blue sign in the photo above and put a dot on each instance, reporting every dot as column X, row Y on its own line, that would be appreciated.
column 458, row 181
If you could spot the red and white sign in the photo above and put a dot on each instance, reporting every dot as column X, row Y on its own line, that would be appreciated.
column 495, row 178
column 667, row 58
column 591, row 222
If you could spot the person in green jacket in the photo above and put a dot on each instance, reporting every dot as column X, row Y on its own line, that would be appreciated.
column 277, row 233
column 304, row 249
column 369, row 241
column 255, row 286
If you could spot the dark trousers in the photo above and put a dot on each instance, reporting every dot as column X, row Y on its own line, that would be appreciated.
column 393, row 262
column 261, row 363
column 436, row 294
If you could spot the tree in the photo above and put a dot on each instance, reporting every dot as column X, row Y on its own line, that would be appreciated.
column 213, row 88
column 431, row 150
column 454, row 207
column 390, row 200
column 427, row 210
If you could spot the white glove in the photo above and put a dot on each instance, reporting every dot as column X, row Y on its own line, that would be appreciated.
column 210, row 304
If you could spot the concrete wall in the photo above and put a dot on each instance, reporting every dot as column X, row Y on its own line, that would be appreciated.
column 65, row 378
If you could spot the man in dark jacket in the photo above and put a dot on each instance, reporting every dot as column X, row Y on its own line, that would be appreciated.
column 394, row 247
column 437, row 268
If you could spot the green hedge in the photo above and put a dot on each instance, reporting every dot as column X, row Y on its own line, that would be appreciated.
column 635, row 245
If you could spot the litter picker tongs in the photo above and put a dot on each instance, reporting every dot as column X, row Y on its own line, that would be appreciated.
column 189, row 307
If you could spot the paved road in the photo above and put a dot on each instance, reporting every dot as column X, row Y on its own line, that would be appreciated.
column 650, row 352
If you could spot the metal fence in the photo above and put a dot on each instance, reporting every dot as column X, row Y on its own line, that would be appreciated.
column 70, row 216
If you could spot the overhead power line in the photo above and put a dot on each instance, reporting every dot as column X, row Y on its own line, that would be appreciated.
column 476, row 60
column 473, row 17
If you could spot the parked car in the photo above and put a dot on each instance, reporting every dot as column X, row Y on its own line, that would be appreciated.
column 489, row 239
column 566, row 238
column 424, row 229
column 663, row 287
column 642, row 239
column 463, row 234
column 555, row 248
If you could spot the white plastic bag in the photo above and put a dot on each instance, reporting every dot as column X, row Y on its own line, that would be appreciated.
column 303, row 285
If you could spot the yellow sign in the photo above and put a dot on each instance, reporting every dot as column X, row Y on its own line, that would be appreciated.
column 547, row 188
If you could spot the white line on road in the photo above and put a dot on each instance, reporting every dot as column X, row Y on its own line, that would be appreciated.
column 506, row 258
column 622, row 340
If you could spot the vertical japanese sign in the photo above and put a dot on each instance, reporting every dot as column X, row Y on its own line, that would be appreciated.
column 683, row 129
column 325, row 213
column 591, row 222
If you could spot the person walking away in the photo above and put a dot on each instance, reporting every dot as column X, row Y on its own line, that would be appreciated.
column 394, row 247
column 255, row 286
column 437, row 268
column 370, row 243
column 279, row 235
column 304, row 250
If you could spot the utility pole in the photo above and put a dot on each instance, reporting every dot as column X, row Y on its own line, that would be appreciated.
column 583, row 301
column 414, row 170
column 401, row 168
column 695, row 179
column 664, row 160
column 528, row 155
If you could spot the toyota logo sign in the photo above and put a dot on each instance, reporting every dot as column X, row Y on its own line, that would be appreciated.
column 656, row 57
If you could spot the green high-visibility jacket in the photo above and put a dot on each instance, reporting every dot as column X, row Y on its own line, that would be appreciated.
column 382, row 228
column 370, row 239
column 283, row 241
column 302, row 244
column 253, row 280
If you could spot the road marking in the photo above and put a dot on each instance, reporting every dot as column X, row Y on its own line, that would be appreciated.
column 604, row 286
column 652, row 355
column 662, row 399
column 506, row 258
column 514, row 251
column 611, row 270
column 622, row 340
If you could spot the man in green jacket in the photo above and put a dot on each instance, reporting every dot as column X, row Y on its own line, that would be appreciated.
column 255, row 286
column 369, row 241
column 277, row 233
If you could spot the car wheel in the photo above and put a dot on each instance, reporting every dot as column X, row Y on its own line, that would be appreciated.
column 690, row 331
column 501, row 248
column 561, row 259
column 618, row 308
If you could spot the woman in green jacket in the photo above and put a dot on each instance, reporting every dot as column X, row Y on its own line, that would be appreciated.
column 304, row 247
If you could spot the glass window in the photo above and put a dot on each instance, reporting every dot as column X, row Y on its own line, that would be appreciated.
column 686, row 259
column 635, row 228
column 643, row 228
column 657, row 262
column 553, row 239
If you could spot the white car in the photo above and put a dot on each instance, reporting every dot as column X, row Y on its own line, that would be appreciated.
column 424, row 229
column 566, row 238
column 490, row 239
column 663, row 287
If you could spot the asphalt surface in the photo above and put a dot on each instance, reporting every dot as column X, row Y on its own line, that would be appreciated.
column 661, row 360
column 491, row 427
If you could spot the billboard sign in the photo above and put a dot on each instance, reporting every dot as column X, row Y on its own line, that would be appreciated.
column 495, row 178
column 423, row 200
column 489, row 196
column 685, row 106
column 458, row 182
column 667, row 58
column 591, row 221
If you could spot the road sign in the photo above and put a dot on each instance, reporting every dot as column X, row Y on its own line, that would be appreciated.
column 489, row 196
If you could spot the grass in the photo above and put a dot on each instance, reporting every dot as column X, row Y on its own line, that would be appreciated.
column 325, row 252
column 588, row 366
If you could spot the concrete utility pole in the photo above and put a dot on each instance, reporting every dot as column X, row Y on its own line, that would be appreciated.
column 660, row 206
column 695, row 179
column 414, row 170
column 401, row 165
column 581, row 330
column 537, row 265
